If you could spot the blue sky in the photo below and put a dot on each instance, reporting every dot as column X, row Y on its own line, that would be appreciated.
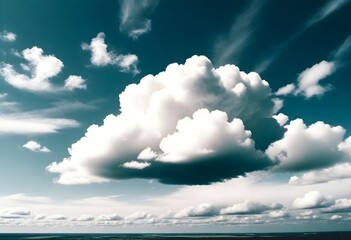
column 175, row 116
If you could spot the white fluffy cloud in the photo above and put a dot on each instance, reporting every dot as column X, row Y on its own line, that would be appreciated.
column 134, row 17
column 101, row 57
column 308, row 81
column 175, row 104
column 203, row 210
column 339, row 171
column 281, row 119
column 41, row 68
column 312, row 199
column 135, row 165
column 307, row 147
column 7, row 36
column 75, row 82
column 249, row 207
column 286, row 90
column 35, row 147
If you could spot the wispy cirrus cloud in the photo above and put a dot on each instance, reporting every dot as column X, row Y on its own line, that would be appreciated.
column 135, row 17
column 16, row 120
column 322, row 13
column 230, row 46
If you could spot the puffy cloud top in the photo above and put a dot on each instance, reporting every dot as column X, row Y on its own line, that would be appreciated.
column 312, row 199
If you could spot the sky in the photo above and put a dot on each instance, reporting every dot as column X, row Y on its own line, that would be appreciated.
column 175, row 116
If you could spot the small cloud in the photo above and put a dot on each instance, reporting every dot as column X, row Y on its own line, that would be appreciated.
column 139, row 215
column 286, row 90
column 13, row 213
column 335, row 217
column 279, row 214
column 35, row 147
column 312, row 199
column 134, row 17
column 7, row 36
column 203, row 210
column 57, row 217
column 110, row 217
column 101, row 57
column 85, row 218
column 281, row 119
column 308, row 81
column 249, row 207
column 75, row 82
column 135, row 165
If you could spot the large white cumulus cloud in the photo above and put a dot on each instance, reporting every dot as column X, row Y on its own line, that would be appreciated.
column 192, row 124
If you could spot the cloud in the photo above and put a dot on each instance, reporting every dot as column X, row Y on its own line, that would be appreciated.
column 249, row 207
column 229, row 103
column 322, row 13
column 14, row 213
column 11, row 124
column 312, row 199
column 139, row 215
column 281, row 118
column 340, row 205
column 134, row 17
column 7, row 36
column 308, row 81
column 232, row 45
column 286, row 90
column 41, row 67
column 343, row 51
column 135, row 165
column 14, row 120
column 75, row 82
column 307, row 147
column 35, row 147
column 57, row 217
column 327, row 9
column 85, row 218
column 279, row 214
column 203, row 210
column 110, row 217
column 337, row 172
column 101, row 57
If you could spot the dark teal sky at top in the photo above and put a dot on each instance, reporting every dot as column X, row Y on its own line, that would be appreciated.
column 180, row 29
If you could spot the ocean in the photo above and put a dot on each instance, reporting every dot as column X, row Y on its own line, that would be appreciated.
column 224, row 236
